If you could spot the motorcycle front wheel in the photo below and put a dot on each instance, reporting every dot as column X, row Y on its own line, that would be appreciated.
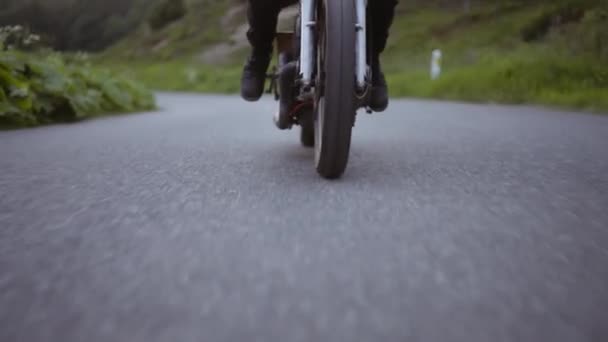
column 335, row 103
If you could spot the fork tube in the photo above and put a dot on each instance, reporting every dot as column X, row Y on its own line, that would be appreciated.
column 307, row 40
column 361, row 60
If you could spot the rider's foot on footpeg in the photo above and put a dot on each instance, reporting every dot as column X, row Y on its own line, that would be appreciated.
column 379, row 97
column 254, row 76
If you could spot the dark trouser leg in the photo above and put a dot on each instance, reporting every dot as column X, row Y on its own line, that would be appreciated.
column 382, row 13
column 262, row 15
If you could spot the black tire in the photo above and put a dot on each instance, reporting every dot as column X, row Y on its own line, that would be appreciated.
column 335, row 107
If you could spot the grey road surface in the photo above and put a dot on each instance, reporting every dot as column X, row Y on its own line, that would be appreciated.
column 202, row 223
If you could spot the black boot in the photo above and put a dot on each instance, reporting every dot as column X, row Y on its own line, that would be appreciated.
column 254, row 76
column 379, row 98
column 382, row 13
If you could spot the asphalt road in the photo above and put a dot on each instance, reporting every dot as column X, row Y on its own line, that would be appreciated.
column 203, row 223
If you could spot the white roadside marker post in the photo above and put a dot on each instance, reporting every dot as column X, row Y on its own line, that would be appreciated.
column 436, row 64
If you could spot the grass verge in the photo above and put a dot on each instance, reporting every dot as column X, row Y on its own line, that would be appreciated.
column 550, row 80
column 181, row 76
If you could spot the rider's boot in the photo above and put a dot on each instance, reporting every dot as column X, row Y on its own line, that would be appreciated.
column 254, row 75
column 379, row 96
column 382, row 15
column 262, row 16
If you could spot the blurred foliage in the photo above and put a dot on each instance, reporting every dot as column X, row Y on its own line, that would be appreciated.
column 92, row 25
column 166, row 12
column 17, row 37
column 201, row 26
column 555, row 15
column 72, row 25
column 592, row 34
column 38, row 89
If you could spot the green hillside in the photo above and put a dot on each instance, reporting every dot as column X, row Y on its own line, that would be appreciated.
column 199, row 24
column 512, row 52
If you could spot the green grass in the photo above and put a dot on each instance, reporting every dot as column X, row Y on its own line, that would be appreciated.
column 181, row 76
column 550, row 80
column 38, row 89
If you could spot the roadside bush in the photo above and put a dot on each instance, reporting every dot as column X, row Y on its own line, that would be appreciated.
column 36, row 90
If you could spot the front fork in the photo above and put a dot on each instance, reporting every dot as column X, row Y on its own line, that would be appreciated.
column 361, row 44
column 307, row 42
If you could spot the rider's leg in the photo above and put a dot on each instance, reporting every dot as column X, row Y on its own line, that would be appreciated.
column 382, row 13
column 262, row 15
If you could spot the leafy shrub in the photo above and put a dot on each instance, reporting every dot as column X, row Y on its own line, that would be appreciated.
column 166, row 12
column 36, row 90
